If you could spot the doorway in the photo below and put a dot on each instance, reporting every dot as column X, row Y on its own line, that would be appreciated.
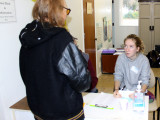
column 97, row 29
column 89, row 30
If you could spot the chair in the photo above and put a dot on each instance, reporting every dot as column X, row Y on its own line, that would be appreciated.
column 157, row 96
column 158, row 113
column 153, row 107
column 158, row 110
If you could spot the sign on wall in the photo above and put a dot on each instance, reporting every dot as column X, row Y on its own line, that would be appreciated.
column 7, row 11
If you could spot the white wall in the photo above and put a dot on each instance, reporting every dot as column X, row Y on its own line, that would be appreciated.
column 75, row 21
column 11, row 86
column 121, row 31
column 103, row 8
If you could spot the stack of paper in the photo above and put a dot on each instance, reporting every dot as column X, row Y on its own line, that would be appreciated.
column 119, row 51
column 108, row 51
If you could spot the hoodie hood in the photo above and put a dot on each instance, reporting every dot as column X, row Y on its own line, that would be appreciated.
column 34, row 34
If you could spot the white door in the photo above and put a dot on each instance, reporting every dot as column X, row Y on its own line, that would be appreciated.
column 156, row 23
column 149, row 24
column 144, row 25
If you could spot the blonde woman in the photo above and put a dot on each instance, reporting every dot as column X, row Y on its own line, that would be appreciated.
column 52, row 67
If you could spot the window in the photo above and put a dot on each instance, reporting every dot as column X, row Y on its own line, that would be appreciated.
column 129, row 13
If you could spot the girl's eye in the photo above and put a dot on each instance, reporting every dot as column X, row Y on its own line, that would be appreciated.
column 131, row 46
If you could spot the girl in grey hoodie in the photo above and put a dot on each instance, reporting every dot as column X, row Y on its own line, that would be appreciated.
column 132, row 66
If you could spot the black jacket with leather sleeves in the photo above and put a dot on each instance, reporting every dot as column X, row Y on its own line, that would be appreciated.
column 71, row 64
column 53, row 70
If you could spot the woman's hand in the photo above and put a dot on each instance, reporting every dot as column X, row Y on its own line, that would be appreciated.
column 117, row 94
column 131, row 96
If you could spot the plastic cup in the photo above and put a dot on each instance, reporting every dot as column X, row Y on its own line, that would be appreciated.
column 124, row 104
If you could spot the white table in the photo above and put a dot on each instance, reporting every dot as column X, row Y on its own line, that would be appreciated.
column 21, row 110
column 115, row 114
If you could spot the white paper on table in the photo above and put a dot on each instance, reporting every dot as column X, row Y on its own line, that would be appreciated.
column 126, row 93
column 102, row 113
column 106, row 100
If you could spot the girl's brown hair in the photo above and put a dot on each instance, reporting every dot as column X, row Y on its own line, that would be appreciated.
column 138, row 41
column 49, row 11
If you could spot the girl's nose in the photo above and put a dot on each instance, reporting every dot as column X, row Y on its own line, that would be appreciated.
column 126, row 49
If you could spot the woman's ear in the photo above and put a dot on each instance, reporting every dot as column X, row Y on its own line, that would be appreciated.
column 138, row 48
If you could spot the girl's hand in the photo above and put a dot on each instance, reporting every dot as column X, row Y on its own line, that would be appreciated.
column 116, row 94
column 131, row 96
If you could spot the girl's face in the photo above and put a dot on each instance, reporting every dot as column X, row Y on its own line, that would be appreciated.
column 131, row 49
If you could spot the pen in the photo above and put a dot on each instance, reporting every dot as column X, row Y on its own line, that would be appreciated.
column 105, row 107
column 123, row 87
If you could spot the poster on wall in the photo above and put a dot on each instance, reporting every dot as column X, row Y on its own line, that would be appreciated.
column 99, row 35
column 7, row 11
column 105, row 28
column 109, row 29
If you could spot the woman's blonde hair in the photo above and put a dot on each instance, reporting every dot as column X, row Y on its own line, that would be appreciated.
column 138, row 41
column 49, row 11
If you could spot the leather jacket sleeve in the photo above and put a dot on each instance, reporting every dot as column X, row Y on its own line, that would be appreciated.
column 74, row 66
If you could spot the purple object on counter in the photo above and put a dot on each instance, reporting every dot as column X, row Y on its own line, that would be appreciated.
column 108, row 51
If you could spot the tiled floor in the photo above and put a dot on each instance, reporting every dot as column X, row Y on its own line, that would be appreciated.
column 106, row 84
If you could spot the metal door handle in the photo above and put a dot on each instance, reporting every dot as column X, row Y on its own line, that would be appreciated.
column 151, row 28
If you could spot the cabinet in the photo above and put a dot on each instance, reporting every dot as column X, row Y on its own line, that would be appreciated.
column 149, row 24
column 108, row 63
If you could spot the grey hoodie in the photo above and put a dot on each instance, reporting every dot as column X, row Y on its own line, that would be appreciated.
column 129, row 72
